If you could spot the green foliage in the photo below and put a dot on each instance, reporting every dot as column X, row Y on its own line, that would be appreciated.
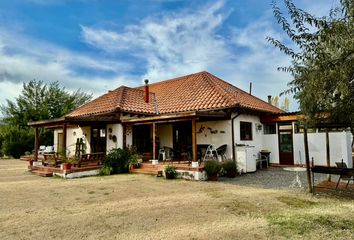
column 37, row 101
column 170, row 171
column 15, row 141
column 117, row 161
column 212, row 167
column 229, row 166
column 322, row 68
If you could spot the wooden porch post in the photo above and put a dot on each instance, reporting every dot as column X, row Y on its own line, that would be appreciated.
column 194, row 140
column 307, row 158
column 64, row 141
column 124, row 136
column 154, row 143
column 36, row 144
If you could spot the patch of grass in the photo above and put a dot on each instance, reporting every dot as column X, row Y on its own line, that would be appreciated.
column 304, row 224
column 296, row 202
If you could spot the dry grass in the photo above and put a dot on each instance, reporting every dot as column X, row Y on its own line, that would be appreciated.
column 145, row 207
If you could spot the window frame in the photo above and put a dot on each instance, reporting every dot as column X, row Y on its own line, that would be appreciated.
column 249, row 128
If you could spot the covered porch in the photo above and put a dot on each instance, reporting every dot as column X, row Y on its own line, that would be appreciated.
column 179, row 138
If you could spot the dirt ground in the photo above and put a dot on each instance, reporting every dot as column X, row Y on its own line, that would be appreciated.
column 133, row 206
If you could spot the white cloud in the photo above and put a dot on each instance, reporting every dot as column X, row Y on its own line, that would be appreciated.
column 23, row 59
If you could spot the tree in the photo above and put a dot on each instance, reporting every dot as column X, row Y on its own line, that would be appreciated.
column 37, row 101
column 322, row 66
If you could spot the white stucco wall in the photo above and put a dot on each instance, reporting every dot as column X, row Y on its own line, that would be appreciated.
column 117, row 130
column 129, row 136
column 270, row 143
column 339, row 142
column 257, row 140
column 221, row 137
column 165, row 133
column 71, row 139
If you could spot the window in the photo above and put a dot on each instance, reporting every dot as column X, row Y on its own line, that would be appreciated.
column 245, row 131
column 269, row 129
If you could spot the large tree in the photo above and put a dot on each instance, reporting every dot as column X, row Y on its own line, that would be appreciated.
column 322, row 53
column 40, row 101
column 37, row 101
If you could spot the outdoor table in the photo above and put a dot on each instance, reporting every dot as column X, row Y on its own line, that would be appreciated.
column 296, row 182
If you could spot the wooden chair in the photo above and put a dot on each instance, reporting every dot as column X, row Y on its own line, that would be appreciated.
column 345, row 175
column 51, row 159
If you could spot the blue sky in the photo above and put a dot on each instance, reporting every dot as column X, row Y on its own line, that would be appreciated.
column 99, row 45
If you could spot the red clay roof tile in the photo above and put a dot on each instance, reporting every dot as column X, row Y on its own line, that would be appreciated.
column 194, row 92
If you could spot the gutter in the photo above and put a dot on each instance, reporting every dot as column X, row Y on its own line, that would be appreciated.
column 233, row 136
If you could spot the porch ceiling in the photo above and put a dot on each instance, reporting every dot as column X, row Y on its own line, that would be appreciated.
column 177, row 117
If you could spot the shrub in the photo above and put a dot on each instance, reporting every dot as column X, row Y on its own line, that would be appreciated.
column 230, row 168
column 170, row 172
column 117, row 161
column 15, row 141
column 212, row 167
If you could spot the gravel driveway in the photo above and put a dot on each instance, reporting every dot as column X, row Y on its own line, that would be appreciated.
column 274, row 178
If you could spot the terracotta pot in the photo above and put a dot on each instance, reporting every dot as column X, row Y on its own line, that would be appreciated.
column 231, row 174
column 213, row 177
column 67, row 166
column 30, row 162
column 170, row 176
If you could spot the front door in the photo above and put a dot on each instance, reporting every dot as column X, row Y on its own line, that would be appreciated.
column 286, row 156
column 182, row 138
column 98, row 139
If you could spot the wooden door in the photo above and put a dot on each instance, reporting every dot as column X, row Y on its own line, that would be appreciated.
column 286, row 155
column 182, row 138
column 98, row 139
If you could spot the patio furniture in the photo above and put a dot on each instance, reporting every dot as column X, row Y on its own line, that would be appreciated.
column 211, row 153
column 263, row 157
column 221, row 151
column 49, row 149
column 51, row 159
column 41, row 149
column 344, row 175
column 91, row 158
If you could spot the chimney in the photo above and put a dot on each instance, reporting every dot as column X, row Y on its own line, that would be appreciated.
column 146, row 90
column 270, row 99
column 250, row 88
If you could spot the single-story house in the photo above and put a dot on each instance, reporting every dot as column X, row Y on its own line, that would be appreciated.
column 187, row 112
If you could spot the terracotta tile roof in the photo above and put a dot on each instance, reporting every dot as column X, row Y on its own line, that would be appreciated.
column 121, row 99
column 194, row 92
column 204, row 91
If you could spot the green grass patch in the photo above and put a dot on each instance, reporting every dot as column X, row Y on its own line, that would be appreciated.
column 293, row 202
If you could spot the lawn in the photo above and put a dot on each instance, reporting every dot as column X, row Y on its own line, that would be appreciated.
column 144, row 207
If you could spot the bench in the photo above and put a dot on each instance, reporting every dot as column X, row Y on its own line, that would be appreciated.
column 51, row 159
column 91, row 158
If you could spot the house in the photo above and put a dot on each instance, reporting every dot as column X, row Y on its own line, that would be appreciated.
column 183, row 115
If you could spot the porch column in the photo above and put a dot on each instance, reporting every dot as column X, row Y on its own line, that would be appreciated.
column 194, row 140
column 154, row 143
column 124, row 136
column 64, row 141
column 36, row 145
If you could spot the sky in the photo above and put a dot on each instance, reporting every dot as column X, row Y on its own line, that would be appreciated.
column 99, row 45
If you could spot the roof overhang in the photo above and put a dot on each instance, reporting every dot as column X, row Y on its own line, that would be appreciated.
column 283, row 117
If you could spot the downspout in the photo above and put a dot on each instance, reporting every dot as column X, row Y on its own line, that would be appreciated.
column 233, row 136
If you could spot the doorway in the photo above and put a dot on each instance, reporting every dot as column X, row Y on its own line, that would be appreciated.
column 142, row 139
column 286, row 155
column 98, row 139
column 182, row 138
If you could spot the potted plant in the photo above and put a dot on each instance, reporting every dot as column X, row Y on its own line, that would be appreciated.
column 133, row 162
column 212, row 168
column 67, row 163
column 230, row 168
column 170, row 172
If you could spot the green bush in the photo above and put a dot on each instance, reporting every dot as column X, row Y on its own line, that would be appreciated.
column 229, row 168
column 15, row 141
column 212, row 167
column 170, row 172
column 117, row 161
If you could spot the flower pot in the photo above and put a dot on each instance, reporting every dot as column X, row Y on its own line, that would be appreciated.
column 30, row 162
column 231, row 174
column 170, row 175
column 67, row 166
column 212, row 177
